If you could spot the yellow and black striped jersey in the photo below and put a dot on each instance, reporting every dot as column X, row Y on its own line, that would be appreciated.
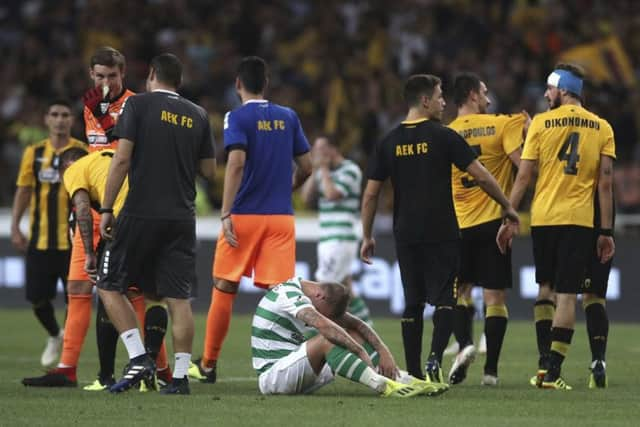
column 49, row 205
column 90, row 174
column 567, row 143
column 493, row 137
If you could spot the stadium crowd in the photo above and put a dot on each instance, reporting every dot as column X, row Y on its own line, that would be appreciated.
column 339, row 63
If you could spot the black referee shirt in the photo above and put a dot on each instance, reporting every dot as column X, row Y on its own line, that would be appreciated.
column 170, row 136
column 417, row 156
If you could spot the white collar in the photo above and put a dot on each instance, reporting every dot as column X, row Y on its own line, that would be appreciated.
column 165, row 91
column 254, row 100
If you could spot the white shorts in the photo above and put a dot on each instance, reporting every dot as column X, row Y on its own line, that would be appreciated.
column 293, row 374
column 335, row 259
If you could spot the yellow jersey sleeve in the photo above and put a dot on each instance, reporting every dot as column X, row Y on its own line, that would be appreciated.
column 609, row 146
column 25, row 175
column 74, row 177
column 531, row 150
column 512, row 133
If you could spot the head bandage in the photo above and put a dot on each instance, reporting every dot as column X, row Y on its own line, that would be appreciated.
column 563, row 79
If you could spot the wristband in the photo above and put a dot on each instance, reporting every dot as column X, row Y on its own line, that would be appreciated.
column 105, row 210
column 605, row 232
column 223, row 217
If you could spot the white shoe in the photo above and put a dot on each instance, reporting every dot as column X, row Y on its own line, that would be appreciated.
column 51, row 352
column 489, row 380
column 452, row 349
column 461, row 363
column 482, row 345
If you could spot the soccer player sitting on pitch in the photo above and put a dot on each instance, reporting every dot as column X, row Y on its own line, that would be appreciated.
column 496, row 139
column 286, row 363
column 574, row 151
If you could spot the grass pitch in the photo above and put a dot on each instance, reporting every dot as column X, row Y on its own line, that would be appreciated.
column 235, row 401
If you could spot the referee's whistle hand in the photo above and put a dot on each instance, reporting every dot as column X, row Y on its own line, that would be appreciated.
column 367, row 249
column 106, row 226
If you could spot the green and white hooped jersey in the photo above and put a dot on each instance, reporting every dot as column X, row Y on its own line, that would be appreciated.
column 275, row 330
column 338, row 218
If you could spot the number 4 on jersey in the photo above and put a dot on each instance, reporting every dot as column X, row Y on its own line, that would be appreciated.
column 569, row 153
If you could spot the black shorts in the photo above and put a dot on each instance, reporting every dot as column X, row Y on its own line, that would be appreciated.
column 481, row 262
column 561, row 254
column 43, row 269
column 428, row 272
column 157, row 256
column 597, row 276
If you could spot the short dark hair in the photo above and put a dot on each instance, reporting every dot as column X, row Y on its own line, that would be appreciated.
column 72, row 154
column 109, row 57
column 59, row 101
column 464, row 84
column 253, row 72
column 337, row 296
column 420, row 85
column 168, row 69
column 574, row 69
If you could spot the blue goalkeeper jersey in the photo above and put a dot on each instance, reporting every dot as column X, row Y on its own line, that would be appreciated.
column 271, row 136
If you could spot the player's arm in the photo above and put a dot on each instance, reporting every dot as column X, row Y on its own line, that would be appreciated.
column 303, row 170
column 526, row 171
column 309, row 191
column 208, row 169
column 387, row 364
column 332, row 332
column 233, row 174
column 489, row 185
column 368, row 209
column 117, row 172
column 605, row 245
column 82, row 206
column 21, row 201
column 329, row 188
column 515, row 157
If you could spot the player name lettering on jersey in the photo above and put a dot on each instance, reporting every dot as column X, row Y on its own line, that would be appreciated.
column 478, row 132
column 412, row 149
column 270, row 125
column 176, row 119
column 571, row 121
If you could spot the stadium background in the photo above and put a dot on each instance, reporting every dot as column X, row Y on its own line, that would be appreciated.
column 340, row 64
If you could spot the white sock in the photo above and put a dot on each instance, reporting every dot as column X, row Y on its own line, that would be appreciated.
column 133, row 342
column 373, row 380
column 181, row 366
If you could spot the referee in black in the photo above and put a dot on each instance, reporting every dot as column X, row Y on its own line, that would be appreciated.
column 418, row 156
column 164, row 141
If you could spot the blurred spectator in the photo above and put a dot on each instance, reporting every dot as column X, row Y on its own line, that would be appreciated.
column 338, row 62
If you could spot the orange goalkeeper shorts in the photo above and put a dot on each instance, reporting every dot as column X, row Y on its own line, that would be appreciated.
column 78, row 256
column 266, row 247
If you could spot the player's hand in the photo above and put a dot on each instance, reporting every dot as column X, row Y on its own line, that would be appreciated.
column 367, row 249
column 606, row 247
column 96, row 99
column 505, row 235
column 387, row 365
column 19, row 240
column 229, row 233
column 90, row 268
column 106, row 226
